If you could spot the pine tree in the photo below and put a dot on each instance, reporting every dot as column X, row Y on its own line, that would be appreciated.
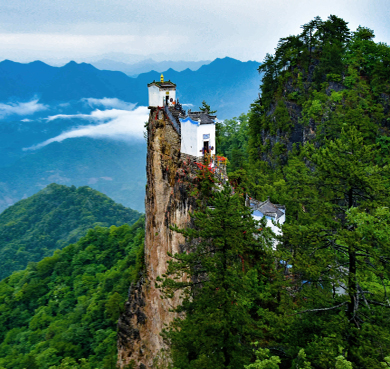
column 206, row 108
column 222, row 278
column 339, row 245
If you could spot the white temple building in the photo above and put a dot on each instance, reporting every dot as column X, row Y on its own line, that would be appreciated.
column 198, row 134
column 197, row 129
column 162, row 93
column 274, row 213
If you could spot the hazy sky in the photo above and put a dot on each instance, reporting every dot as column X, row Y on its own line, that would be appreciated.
column 171, row 30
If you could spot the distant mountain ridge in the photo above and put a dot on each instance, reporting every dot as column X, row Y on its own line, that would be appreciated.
column 74, row 94
column 228, row 85
column 147, row 65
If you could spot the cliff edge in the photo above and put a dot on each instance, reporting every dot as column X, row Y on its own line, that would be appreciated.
column 170, row 179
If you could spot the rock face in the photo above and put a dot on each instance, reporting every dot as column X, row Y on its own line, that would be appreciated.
column 170, row 178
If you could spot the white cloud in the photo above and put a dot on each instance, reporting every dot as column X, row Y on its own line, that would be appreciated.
column 97, row 115
column 21, row 108
column 112, row 103
column 114, row 124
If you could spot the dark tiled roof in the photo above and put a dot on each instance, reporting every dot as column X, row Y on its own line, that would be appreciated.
column 268, row 208
column 165, row 84
column 201, row 116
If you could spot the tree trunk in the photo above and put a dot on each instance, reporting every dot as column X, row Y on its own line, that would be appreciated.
column 352, row 292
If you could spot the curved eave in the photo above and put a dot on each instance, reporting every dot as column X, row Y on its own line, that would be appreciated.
column 188, row 119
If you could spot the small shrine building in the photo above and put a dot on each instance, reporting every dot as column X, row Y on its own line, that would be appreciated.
column 197, row 129
column 162, row 93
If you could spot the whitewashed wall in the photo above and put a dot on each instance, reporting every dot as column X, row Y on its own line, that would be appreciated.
column 157, row 96
column 154, row 96
column 172, row 95
column 204, row 129
column 192, row 137
column 189, row 137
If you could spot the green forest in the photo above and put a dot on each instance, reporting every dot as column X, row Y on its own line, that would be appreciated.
column 316, row 140
column 51, row 219
column 61, row 312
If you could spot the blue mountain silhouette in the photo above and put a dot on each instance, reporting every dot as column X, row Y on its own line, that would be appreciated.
column 228, row 85
column 112, row 167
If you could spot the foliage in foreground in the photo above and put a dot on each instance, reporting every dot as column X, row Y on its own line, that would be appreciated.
column 62, row 311
column 336, row 252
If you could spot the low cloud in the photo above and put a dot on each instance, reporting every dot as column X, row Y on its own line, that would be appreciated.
column 21, row 108
column 97, row 115
column 109, row 103
column 114, row 124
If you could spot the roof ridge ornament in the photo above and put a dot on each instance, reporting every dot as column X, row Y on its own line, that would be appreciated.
column 162, row 78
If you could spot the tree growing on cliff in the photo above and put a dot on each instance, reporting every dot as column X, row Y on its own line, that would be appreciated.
column 206, row 108
column 223, row 280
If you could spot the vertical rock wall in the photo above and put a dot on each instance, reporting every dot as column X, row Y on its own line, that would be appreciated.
column 170, row 178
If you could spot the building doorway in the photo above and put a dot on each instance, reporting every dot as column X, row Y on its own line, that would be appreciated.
column 205, row 147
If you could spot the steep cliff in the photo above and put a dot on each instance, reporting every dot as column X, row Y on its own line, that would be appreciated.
column 170, row 179
column 317, row 84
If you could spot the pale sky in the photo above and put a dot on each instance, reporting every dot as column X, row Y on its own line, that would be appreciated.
column 85, row 30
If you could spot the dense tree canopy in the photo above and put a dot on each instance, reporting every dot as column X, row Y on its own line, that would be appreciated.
column 51, row 219
column 232, row 141
column 62, row 311
column 319, row 143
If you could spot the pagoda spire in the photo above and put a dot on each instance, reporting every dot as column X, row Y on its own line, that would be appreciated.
column 162, row 78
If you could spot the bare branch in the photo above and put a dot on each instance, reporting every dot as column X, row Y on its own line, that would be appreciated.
column 378, row 303
column 322, row 309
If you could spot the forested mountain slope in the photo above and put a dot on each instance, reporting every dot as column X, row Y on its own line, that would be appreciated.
column 61, row 312
column 318, row 141
column 51, row 219
column 317, row 83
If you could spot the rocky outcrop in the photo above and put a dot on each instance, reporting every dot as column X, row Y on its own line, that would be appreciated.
column 170, row 180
